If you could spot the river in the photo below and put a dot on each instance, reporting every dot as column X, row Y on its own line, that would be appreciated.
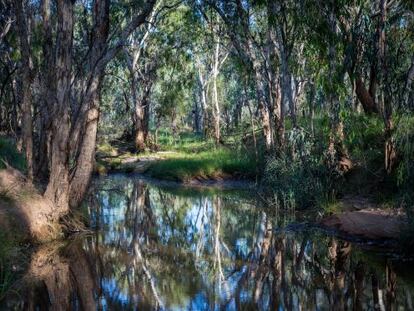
column 154, row 247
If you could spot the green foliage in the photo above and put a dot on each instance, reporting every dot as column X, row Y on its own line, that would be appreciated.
column 299, row 176
column 187, row 142
column 10, row 155
column 364, row 139
column 404, row 139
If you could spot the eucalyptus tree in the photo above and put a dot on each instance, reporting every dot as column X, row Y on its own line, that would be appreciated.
column 210, row 54
column 9, row 65
column 240, row 26
column 79, row 40
column 26, row 80
column 172, row 94
column 141, row 77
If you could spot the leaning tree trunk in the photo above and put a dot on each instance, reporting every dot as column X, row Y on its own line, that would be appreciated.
column 76, row 140
column 87, row 122
column 84, row 132
column 26, row 96
column 85, row 161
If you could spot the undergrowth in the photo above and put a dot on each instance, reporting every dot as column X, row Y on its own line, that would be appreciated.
column 298, row 176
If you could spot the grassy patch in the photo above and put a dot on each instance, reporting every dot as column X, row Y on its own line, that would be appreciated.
column 186, row 142
column 212, row 164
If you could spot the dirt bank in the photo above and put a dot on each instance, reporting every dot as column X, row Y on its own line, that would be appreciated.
column 372, row 223
column 23, row 211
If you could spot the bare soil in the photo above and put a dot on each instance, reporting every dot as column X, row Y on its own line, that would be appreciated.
column 363, row 219
column 23, row 210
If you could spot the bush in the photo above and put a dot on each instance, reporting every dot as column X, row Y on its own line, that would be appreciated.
column 404, row 140
column 299, row 176
column 364, row 139
column 10, row 155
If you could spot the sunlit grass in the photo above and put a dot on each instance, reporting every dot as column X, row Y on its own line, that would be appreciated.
column 211, row 164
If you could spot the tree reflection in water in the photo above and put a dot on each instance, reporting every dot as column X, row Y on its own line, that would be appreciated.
column 156, row 249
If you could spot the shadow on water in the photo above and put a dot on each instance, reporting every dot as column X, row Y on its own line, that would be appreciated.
column 155, row 248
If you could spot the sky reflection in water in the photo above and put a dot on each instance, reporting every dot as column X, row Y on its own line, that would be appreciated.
column 179, row 249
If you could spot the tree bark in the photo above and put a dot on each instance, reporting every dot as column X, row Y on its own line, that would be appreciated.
column 277, row 101
column 390, row 153
column 48, row 90
column 203, row 91
column 88, row 121
column 366, row 99
column 26, row 96
column 338, row 156
column 58, row 187
column 215, row 93
column 409, row 96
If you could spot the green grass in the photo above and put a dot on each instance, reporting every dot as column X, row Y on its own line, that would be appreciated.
column 212, row 164
column 10, row 155
column 187, row 142
column 185, row 157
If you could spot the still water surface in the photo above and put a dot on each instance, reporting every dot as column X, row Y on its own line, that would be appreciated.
column 158, row 248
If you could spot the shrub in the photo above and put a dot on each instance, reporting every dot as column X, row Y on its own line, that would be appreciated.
column 299, row 176
column 404, row 140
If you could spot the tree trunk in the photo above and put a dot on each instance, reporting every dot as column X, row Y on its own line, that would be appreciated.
column 384, row 98
column 58, row 187
column 85, row 161
column 26, row 96
column 409, row 96
column 215, row 94
column 263, row 107
column 276, row 95
column 365, row 98
column 48, row 91
column 287, row 83
column 139, row 136
column 88, row 121
column 203, row 121
column 196, row 114
column 336, row 149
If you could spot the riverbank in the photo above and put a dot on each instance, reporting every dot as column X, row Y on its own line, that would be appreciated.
column 362, row 218
column 188, row 164
column 25, row 214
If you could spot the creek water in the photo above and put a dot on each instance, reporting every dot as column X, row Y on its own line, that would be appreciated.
column 154, row 247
